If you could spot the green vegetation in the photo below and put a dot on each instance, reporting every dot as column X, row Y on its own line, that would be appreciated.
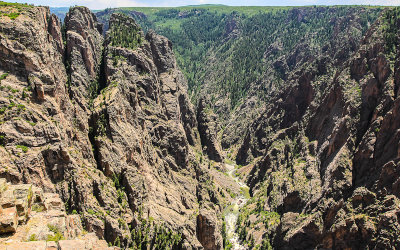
column 91, row 211
column 2, row 140
column 3, row 76
column 31, row 123
column 21, row 107
column 33, row 237
column 120, row 191
column 124, row 33
column 23, row 148
column 148, row 235
column 12, row 10
column 58, row 235
column 15, row 5
column 101, row 125
column 12, row 104
column 390, row 30
column 226, row 244
column 235, row 39
column 245, row 192
column 37, row 208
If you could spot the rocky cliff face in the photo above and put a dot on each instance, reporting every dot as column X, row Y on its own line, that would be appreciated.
column 106, row 123
column 326, row 150
column 208, row 129
column 38, row 220
column 102, row 121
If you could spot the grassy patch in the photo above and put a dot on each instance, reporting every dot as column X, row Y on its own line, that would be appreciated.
column 245, row 192
column 57, row 233
column 37, row 208
column 33, row 237
column 3, row 76
column 12, row 10
column 23, row 148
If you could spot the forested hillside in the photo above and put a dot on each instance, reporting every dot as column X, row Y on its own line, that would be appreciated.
column 237, row 37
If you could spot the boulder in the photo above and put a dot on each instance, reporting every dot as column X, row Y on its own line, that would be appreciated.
column 23, row 200
column 74, row 226
column 8, row 220
column 53, row 202
column 7, row 199
column 51, row 245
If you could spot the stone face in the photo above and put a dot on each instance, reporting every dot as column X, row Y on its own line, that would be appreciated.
column 23, row 199
column 51, row 245
column 207, row 228
column 3, row 186
column 8, row 220
column 208, row 129
column 105, row 133
column 46, row 224
column 53, row 202
column 324, row 158
column 84, row 43
column 7, row 199
column 145, row 119
column 162, row 53
column 102, row 130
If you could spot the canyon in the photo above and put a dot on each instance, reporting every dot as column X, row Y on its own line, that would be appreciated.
column 267, row 129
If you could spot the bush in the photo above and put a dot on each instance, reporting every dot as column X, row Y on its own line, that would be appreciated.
column 21, row 107
column 3, row 76
column 32, row 238
column 23, row 148
column 57, row 237
column 57, row 233
column 37, row 208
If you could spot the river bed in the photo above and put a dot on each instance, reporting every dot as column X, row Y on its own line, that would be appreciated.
column 233, row 210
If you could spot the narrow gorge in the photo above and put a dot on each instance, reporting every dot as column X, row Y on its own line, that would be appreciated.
column 199, row 127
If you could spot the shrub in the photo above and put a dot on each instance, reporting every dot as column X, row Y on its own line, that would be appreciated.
column 32, row 238
column 21, row 107
column 56, row 237
column 37, row 208
column 57, row 233
column 3, row 76
column 23, row 148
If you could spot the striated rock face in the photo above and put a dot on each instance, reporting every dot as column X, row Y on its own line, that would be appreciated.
column 208, row 129
column 39, row 220
column 107, row 125
column 207, row 230
column 137, row 120
column 326, row 150
column 98, row 134
column 84, row 45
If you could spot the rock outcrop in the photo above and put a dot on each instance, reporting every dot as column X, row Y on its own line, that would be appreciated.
column 106, row 124
column 323, row 173
column 208, row 129
column 38, row 220
column 100, row 144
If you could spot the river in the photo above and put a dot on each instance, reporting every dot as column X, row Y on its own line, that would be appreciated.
column 233, row 210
